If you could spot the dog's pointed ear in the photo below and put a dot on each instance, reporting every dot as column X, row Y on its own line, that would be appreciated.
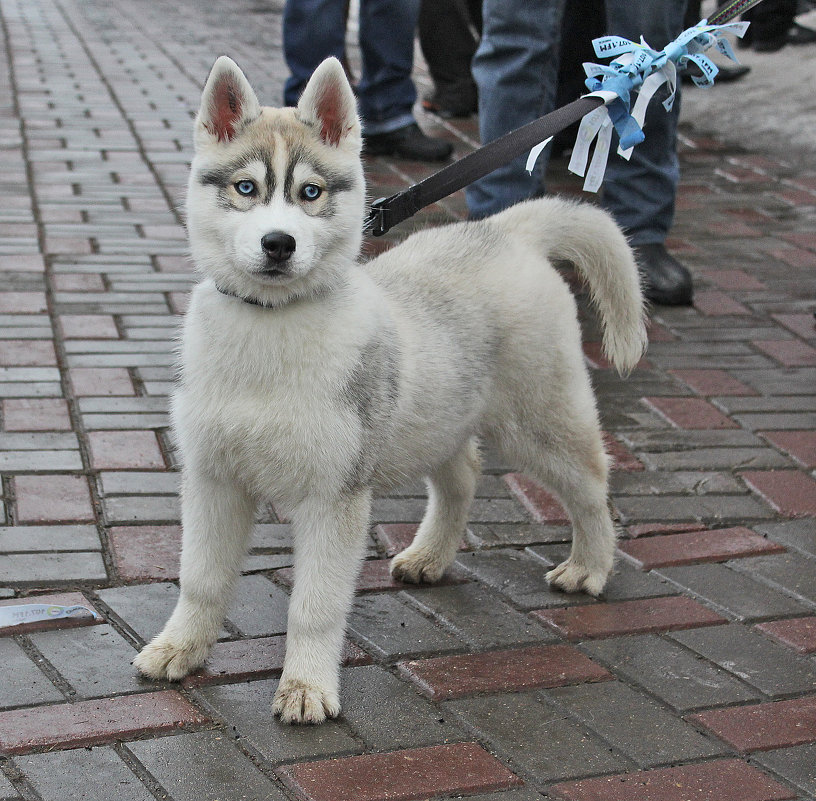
column 329, row 105
column 227, row 103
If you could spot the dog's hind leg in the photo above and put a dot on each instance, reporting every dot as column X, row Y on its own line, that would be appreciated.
column 575, row 467
column 217, row 522
column 450, row 494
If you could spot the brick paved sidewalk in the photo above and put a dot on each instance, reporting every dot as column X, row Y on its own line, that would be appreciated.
column 695, row 678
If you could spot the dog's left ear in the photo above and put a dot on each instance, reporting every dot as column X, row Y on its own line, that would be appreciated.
column 329, row 105
column 227, row 104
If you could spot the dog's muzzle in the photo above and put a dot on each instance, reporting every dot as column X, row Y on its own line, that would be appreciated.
column 278, row 247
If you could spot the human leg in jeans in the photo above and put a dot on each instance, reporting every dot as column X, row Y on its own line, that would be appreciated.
column 516, row 68
column 640, row 193
column 315, row 29
column 516, row 71
column 449, row 35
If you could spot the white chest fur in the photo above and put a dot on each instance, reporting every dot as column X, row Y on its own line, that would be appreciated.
column 261, row 399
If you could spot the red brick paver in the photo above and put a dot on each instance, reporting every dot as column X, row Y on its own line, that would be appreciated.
column 801, row 324
column 691, row 413
column 723, row 780
column 788, row 491
column 255, row 658
column 395, row 537
column 146, row 552
column 112, row 450
column 103, row 381
column 648, row 529
column 798, row 633
column 95, row 125
column 801, row 445
column 542, row 506
column 621, row 457
column 761, row 727
column 593, row 351
column 55, row 498
column 698, row 546
column 789, row 352
column 88, row 326
column 447, row 677
column 713, row 382
column 410, row 775
column 628, row 617
column 36, row 414
column 716, row 303
column 93, row 722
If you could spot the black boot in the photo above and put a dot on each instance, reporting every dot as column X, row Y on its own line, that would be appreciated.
column 666, row 282
column 407, row 143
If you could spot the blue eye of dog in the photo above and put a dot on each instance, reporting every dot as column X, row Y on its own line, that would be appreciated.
column 311, row 192
column 245, row 187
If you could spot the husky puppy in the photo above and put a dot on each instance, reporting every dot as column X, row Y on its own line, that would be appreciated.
column 313, row 380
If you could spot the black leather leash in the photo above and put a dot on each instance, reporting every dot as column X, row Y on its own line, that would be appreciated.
column 386, row 212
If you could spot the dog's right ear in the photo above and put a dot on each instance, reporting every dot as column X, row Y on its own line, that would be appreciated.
column 227, row 104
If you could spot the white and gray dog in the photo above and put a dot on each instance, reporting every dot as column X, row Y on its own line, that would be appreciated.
column 313, row 380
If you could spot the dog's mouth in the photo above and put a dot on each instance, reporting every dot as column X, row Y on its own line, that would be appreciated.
column 274, row 273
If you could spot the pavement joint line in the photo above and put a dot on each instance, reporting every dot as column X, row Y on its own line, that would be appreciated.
column 141, row 772
column 527, row 774
column 51, row 673
column 693, row 710
column 704, row 329
column 118, row 104
column 59, row 344
column 769, row 582
column 554, row 700
column 17, row 779
column 115, row 621
column 244, row 743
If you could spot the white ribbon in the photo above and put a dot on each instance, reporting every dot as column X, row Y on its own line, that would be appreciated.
column 535, row 153
column 596, row 123
column 17, row 614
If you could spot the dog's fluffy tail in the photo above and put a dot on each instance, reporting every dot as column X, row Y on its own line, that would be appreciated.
column 590, row 239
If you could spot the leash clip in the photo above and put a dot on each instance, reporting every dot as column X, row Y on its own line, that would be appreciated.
column 377, row 223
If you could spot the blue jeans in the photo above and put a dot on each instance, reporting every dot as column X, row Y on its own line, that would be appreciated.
column 516, row 70
column 316, row 29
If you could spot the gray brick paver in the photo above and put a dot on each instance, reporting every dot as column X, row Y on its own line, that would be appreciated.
column 94, row 774
column 95, row 172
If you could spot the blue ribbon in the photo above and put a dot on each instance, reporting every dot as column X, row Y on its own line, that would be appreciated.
column 635, row 64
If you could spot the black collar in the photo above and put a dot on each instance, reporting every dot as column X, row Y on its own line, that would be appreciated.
column 272, row 306
column 251, row 301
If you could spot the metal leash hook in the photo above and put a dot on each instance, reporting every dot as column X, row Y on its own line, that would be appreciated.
column 376, row 223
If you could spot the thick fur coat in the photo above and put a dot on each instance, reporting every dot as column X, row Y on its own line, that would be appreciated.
column 313, row 380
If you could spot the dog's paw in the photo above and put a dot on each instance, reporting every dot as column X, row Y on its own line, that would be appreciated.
column 571, row 576
column 165, row 659
column 417, row 567
column 299, row 702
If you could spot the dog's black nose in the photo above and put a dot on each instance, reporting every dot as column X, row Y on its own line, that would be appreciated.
column 278, row 246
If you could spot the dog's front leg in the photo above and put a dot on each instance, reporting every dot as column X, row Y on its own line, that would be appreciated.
column 217, row 520
column 329, row 541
